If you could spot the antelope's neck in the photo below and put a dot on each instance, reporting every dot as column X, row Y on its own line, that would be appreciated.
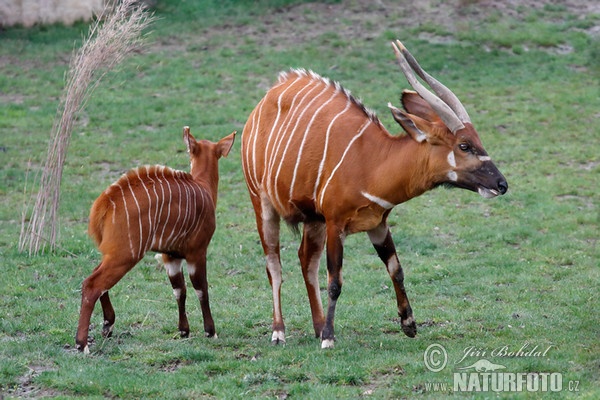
column 401, row 171
column 209, row 180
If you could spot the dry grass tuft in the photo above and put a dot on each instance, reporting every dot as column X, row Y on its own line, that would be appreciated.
column 116, row 33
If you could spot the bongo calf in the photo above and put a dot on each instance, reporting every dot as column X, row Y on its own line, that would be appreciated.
column 159, row 209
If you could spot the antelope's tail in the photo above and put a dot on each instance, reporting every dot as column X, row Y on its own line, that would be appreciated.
column 97, row 217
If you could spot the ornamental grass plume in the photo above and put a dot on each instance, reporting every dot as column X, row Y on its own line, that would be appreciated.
column 116, row 33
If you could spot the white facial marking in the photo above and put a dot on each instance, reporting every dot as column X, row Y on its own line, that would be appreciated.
column 452, row 176
column 451, row 159
column 327, row 344
column 377, row 200
column 484, row 158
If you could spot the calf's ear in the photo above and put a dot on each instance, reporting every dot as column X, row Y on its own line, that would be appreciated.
column 224, row 145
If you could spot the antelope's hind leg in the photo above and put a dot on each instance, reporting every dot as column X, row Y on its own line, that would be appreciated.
column 175, row 274
column 309, row 253
column 96, row 286
column 267, row 222
column 197, row 272
column 381, row 238
column 109, row 315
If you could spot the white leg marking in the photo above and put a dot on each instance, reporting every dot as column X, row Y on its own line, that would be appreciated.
column 378, row 235
column 393, row 265
column 191, row 269
column 177, row 293
column 278, row 337
column 173, row 267
column 327, row 344
column 200, row 294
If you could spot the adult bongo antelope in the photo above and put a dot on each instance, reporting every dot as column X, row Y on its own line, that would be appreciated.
column 312, row 153
column 160, row 209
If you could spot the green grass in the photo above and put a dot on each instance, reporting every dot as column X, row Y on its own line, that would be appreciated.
column 518, row 269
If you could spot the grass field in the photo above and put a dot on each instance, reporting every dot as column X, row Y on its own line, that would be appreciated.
column 486, row 278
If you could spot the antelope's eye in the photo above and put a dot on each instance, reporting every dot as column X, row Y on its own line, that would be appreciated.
column 466, row 147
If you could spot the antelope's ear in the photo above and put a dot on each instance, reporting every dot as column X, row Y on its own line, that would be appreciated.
column 224, row 145
column 408, row 123
column 188, row 139
column 414, row 104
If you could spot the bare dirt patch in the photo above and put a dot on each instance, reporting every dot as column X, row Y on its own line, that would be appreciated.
column 367, row 19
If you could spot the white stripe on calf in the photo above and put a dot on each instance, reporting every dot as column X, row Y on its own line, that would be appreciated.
column 144, row 185
column 140, row 251
column 128, row 224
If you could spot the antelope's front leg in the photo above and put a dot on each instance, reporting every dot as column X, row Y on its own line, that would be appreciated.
column 335, row 254
column 381, row 238
column 173, row 267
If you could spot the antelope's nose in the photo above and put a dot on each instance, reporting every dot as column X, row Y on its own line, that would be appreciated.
column 502, row 186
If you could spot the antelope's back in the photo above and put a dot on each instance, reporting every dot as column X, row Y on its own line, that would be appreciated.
column 151, row 208
column 296, row 136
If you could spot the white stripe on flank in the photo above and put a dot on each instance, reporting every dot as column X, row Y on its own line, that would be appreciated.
column 156, row 207
column 325, row 147
column 379, row 201
column 114, row 209
column 168, row 219
column 128, row 223
column 359, row 134
column 273, row 141
column 178, row 193
column 291, row 134
column 149, row 235
column 284, row 128
column 140, row 253
column 253, row 137
column 162, row 204
column 306, row 131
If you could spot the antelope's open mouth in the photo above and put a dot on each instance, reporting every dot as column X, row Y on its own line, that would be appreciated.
column 487, row 193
